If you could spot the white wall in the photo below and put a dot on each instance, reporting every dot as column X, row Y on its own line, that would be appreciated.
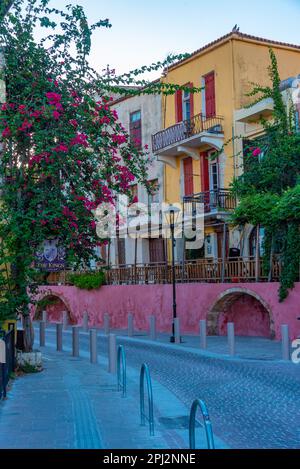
column 151, row 116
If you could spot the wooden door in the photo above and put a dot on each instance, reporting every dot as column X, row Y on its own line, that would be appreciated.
column 156, row 250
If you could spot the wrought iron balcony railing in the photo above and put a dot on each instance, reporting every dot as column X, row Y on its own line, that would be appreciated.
column 216, row 200
column 186, row 129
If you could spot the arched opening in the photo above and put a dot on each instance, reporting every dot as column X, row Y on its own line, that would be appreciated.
column 249, row 313
column 54, row 306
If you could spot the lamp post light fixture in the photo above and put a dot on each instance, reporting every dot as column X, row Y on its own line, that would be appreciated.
column 171, row 214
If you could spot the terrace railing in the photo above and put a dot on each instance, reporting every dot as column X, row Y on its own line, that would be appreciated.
column 231, row 270
column 219, row 199
column 186, row 129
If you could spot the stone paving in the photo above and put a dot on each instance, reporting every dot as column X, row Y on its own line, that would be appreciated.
column 253, row 402
column 74, row 404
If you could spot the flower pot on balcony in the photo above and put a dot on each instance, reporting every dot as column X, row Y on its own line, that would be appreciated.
column 235, row 280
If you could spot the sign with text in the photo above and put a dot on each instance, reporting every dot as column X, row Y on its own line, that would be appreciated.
column 51, row 256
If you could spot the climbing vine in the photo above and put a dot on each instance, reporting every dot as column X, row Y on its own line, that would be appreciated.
column 269, row 189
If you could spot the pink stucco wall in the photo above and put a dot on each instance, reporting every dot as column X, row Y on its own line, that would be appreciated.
column 250, row 317
column 194, row 302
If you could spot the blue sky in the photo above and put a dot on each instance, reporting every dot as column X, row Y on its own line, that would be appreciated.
column 144, row 31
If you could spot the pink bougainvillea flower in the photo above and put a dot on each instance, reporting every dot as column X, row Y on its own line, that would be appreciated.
column 73, row 123
column 104, row 120
column 25, row 126
column 43, row 222
column 61, row 148
column 135, row 200
column 119, row 139
column 256, row 152
column 80, row 139
column 146, row 147
column 59, row 107
column 79, row 162
column 93, row 224
column 6, row 132
column 56, row 115
column 53, row 98
column 22, row 109
column 36, row 114
column 4, row 107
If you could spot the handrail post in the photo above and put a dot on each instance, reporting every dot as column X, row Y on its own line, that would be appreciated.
column 152, row 320
column 75, row 341
column 93, row 346
column 207, row 424
column 106, row 323
column 112, row 353
column 203, row 335
column 121, row 370
column 145, row 373
column 130, row 325
column 285, row 342
column 42, row 333
column 231, row 338
column 59, row 337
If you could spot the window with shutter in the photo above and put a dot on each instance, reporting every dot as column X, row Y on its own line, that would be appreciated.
column 210, row 97
column 178, row 105
column 188, row 176
column 136, row 128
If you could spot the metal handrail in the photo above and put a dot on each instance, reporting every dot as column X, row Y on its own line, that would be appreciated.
column 207, row 424
column 146, row 373
column 121, row 370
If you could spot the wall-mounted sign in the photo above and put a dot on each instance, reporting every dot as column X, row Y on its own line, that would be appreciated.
column 51, row 256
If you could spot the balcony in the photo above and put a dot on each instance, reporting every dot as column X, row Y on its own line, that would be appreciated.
column 219, row 200
column 192, row 133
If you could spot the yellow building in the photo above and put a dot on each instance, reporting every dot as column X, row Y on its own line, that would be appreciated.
column 196, row 125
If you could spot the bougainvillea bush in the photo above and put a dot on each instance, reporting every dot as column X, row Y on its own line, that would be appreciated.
column 64, row 151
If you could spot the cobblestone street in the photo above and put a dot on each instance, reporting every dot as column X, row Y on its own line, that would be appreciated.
column 252, row 403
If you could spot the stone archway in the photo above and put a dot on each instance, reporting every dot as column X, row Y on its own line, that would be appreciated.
column 250, row 313
column 54, row 305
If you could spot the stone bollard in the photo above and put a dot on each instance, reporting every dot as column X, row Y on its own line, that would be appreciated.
column 177, row 331
column 65, row 320
column 106, row 323
column 112, row 353
column 285, row 342
column 130, row 325
column 42, row 333
column 59, row 337
column 203, row 334
column 93, row 346
column 75, row 341
column 231, row 338
column 44, row 316
column 152, row 320
column 85, row 321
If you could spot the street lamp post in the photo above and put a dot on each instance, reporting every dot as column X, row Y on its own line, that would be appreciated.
column 173, row 212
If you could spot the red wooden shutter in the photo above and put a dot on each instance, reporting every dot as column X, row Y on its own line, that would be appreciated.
column 210, row 97
column 178, row 105
column 188, row 176
column 192, row 101
column 204, row 172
